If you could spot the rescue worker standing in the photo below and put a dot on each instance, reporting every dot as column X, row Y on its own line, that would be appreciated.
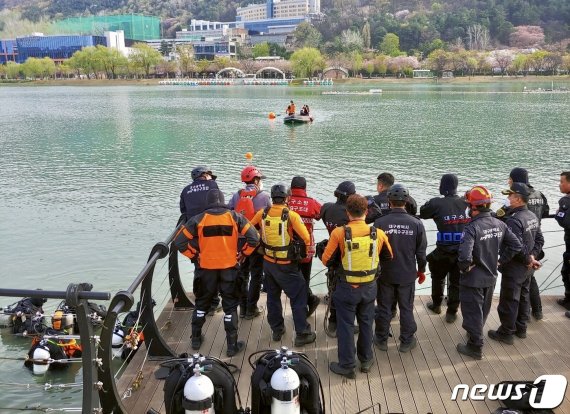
column 482, row 240
column 192, row 202
column 563, row 218
column 450, row 215
column 247, row 202
column 333, row 216
column 386, row 180
column 397, row 280
column 309, row 209
column 279, row 228
column 538, row 204
column 514, row 302
column 212, row 239
column 193, row 196
column 360, row 248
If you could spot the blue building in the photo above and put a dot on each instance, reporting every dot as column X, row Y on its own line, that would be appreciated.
column 8, row 51
column 56, row 47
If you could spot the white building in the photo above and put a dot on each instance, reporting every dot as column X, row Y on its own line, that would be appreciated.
column 279, row 9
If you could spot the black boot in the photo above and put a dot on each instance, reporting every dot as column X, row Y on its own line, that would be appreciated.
column 234, row 346
column 197, row 339
column 470, row 351
column 434, row 308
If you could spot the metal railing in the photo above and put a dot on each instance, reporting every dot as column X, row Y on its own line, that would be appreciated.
column 157, row 348
column 77, row 296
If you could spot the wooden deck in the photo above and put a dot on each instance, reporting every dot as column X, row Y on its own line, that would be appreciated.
column 417, row 382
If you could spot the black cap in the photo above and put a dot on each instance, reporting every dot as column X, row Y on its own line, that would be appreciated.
column 519, row 175
column 299, row 182
column 518, row 188
column 448, row 184
column 215, row 198
column 346, row 188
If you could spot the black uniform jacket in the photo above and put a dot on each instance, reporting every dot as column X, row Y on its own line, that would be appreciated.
column 450, row 216
column 407, row 237
column 483, row 238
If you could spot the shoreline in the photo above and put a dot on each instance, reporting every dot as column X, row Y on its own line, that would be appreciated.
column 348, row 81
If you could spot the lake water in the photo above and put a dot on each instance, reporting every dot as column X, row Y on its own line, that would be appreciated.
column 90, row 177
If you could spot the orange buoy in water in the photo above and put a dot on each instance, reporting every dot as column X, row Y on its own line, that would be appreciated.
column 248, row 155
column 271, row 115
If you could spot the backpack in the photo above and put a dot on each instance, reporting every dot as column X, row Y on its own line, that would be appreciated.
column 244, row 206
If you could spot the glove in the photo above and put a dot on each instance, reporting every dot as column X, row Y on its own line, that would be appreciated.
column 421, row 277
column 320, row 248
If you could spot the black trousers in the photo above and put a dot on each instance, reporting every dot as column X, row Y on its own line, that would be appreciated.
column 566, row 264
column 286, row 278
column 514, row 300
column 442, row 264
column 253, row 265
column 305, row 269
column 207, row 286
column 475, row 307
column 350, row 302
column 534, row 294
column 388, row 294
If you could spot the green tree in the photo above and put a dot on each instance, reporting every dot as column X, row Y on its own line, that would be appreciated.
column 390, row 45
column 13, row 70
column 260, row 49
column 351, row 40
column 185, row 59
column 165, row 48
column 47, row 67
column 3, row 71
column 306, row 61
column 438, row 60
column 366, row 36
column 144, row 57
column 356, row 61
column 306, row 35
column 202, row 65
column 32, row 68
column 520, row 64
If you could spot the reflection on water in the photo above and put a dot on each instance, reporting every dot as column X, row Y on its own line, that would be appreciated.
column 91, row 177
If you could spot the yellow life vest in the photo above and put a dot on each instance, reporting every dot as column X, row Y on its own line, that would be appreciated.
column 274, row 234
column 360, row 260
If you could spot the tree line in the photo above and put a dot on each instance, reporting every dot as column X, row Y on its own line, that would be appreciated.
column 100, row 62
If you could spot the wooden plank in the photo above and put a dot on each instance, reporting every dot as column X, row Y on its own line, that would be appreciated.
column 442, row 358
column 420, row 381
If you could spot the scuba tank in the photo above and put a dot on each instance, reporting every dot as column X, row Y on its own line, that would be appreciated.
column 41, row 352
column 63, row 321
column 198, row 393
column 285, row 389
column 117, row 341
column 282, row 394
column 182, row 373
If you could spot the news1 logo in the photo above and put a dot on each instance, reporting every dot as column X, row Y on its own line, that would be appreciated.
column 546, row 392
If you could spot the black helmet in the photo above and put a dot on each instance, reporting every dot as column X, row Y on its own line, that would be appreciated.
column 201, row 169
column 279, row 191
column 215, row 198
column 345, row 188
column 398, row 192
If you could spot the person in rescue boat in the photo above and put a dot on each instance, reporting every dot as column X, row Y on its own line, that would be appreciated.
column 290, row 109
column 397, row 279
column 514, row 301
column 361, row 247
column 280, row 231
column 309, row 209
column 193, row 201
column 483, row 239
column 211, row 238
column 247, row 202
column 450, row 215
column 562, row 216
column 538, row 204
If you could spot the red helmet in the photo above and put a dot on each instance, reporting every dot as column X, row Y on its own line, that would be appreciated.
column 478, row 196
column 249, row 173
